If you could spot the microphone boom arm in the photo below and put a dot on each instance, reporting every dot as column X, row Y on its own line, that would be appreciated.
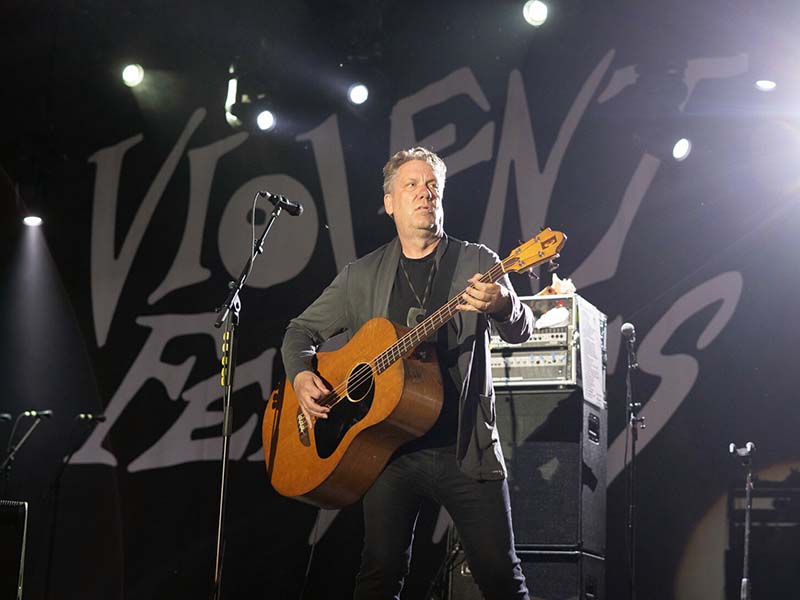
column 231, row 303
column 9, row 459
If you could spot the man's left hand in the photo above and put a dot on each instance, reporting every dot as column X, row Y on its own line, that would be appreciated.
column 490, row 298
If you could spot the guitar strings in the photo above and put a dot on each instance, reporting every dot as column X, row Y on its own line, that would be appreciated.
column 393, row 351
column 404, row 344
column 404, row 341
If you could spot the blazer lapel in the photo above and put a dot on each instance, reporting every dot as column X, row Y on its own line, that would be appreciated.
column 387, row 271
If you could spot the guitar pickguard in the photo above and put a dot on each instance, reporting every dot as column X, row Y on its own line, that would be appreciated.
column 350, row 409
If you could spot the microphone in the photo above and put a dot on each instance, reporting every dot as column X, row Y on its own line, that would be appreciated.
column 748, row 449
column 293, row 208
column 91, row 417
column 39, row 414
column 628, row 331
column 5, row 417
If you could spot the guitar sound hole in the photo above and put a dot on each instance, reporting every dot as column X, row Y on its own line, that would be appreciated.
column 328, row 433
column 359, row 383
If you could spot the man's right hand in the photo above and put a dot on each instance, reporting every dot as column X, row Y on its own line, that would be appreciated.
column 309, row 388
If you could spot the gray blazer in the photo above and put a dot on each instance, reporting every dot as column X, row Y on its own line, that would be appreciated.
column 361, row 291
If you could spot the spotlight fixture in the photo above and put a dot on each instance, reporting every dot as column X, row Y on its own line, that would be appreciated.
column 266, row 120
column 765, row 85
column 230, row 99
column 133, row 75
column 358, row 93
column 535, row 12
column 32, row 221
column 681, row 149
column 248, row 104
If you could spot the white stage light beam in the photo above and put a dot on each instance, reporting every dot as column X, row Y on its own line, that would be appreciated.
column 358, row 93
column 681, row 149
column 133, row 75
column 266, row 120
column 535, row 12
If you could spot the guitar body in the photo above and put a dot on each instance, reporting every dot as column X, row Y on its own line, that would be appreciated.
column 333, row 462
column 386, row 390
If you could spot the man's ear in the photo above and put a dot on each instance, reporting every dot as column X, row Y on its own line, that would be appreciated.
column 387, row 204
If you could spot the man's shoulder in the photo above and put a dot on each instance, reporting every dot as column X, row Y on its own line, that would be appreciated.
column 473, row 248
column 371, row 260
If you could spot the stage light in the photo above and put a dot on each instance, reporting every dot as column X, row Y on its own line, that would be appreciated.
column 765, row 85
column 681, row 149
column 32, row 221
column 133, row 75
column 535, row 12
column 266, row 120
column 248, row 102
column 230, row 99
column 358, row 93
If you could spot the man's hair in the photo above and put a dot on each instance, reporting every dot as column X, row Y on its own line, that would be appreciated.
column 404, row 156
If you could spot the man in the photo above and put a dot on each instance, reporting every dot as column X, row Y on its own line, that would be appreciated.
column 459, row 462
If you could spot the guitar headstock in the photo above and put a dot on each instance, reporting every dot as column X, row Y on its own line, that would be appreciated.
column 545, row 246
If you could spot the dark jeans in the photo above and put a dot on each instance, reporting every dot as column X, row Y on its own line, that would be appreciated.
column 480, row 510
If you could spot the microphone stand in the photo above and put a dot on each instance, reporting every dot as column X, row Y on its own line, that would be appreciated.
column 635, row 422
column 229, row 315
column 11, row 452
column 746, row 454
column 55, row 489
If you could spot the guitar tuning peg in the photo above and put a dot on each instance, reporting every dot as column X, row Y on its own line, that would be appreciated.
column 552, row 266
column 532, row 274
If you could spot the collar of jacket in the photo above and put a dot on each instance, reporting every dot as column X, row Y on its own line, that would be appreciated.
column 391, row 260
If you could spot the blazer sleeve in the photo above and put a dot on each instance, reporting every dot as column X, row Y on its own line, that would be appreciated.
column 517, row 326
column 327, row 316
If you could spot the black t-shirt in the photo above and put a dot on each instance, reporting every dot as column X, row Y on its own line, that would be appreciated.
column 423, row 274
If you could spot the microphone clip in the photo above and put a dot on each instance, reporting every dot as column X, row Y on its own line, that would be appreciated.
column 633, row 363
column 745, row 452
column 282, row 202
column 90, row 417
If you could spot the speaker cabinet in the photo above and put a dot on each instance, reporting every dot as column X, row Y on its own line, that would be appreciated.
column 556, row 575
column 555, row 445
column 13, row 527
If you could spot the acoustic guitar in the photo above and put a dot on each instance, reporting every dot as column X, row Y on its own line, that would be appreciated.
column 386, row 389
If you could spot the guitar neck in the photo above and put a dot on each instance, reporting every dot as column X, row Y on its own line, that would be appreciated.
column 406, row 344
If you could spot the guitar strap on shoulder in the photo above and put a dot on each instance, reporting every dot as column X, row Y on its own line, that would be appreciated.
column 446, row 262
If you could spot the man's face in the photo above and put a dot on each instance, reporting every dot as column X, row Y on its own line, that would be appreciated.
column 415, row 200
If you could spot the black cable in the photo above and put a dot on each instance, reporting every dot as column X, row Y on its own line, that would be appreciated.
column 55, row 491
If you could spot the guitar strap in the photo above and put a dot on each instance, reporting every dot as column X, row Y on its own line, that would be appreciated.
column 445, row 271
column 444, row 431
